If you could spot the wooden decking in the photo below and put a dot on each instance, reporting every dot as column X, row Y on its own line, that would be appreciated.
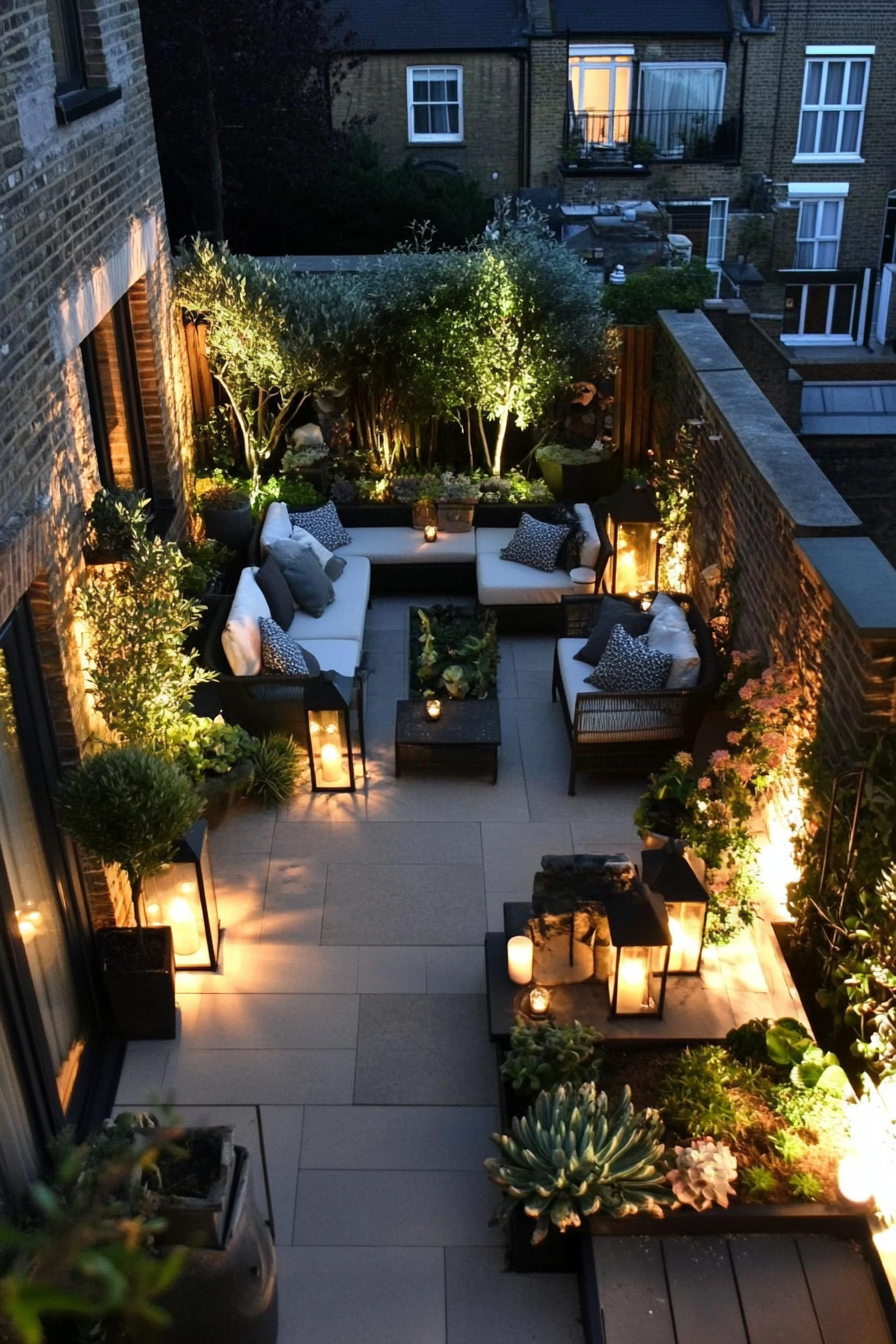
column 751, row 1289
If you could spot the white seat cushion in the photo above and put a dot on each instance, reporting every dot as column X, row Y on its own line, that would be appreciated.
column 241, row 637
column 275, row 527
column 344, row 617
column 665, row 610
column 504, row 583
column 405, row 545
column 620, row 724
column 492, row 540
column 590, row 548
column 335, row 655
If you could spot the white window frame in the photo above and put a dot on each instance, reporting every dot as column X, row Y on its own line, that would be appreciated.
column 431, row 72
column 826, row 57
column 816, row 239
column 614, row 56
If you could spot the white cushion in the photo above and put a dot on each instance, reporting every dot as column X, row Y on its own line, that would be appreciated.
column 685, row 671
column 492, row 540
column 628, row 724
column 335, row 655
column 344, row 617
column 405, row 545
column 241, row 637
column 666, row 610
column 276, row 525
column 505, row 583
column 590, row 547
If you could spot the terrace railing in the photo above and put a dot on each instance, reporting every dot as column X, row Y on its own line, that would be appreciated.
column 689, row 135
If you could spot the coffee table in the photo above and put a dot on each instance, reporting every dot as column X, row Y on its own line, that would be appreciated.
column 467, row 733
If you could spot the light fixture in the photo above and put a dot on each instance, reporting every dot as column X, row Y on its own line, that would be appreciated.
column 633, row 525
column 434, row 708
column 30, row 922
column 182, row 896
column 335, row 754
column 539, row 1000
column 520, row 955
column 430, row 533
column 669, row 874
column 854, row 1179
column 640, row 944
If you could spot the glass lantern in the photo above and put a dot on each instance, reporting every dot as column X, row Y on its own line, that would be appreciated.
column 640, row 944
column 686, row 899
column 335, row 755
column 633, row 524
column 182, row 896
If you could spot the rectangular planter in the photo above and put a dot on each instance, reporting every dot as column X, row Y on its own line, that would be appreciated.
column 195, row 1220
column 139, row 982
column 456, row 517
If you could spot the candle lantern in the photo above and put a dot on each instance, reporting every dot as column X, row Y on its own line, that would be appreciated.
column 430, row 532
column 539, row 1000
column 434, row 708
column 336, row 755
column 182, row 896
column 633, row 525
column 640, row 947
column 520, row 955
column 686, row 899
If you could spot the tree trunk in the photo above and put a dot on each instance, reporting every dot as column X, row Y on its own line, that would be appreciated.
column 499, row 443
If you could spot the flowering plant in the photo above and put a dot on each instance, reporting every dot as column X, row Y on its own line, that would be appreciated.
column 459, row 488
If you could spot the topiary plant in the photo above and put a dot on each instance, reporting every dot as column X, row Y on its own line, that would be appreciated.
column 543, row 1055
column 702, row 1174
column 570, row 1156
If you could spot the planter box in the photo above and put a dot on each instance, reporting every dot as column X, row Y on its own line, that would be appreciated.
column 581, row 483
column 199, row 1220
column 456, row 517
column 138, row 976
column 559, row 1253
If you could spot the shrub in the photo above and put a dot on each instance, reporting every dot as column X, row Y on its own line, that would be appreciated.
column 637, row 302
column 697, row 1096
column 278, row 764
column 544, row 1054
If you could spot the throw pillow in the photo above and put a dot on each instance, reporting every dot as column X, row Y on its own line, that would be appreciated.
column 685, row 672
column 240, row 639
column 664, row 608
column 305, row 538
column 612, row 612
column 535, row 544
column 589, row 549
column 629, row 665
column 279, row 653
column 569, row 555
column 276, row 590
column 324, row 524
column 334, row 567
column 308, row 584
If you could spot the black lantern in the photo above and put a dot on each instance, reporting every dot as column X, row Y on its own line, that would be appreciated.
column 633, row 524
column 669, row 874
column 640, row 946
column 335, row 753
column 182, row 895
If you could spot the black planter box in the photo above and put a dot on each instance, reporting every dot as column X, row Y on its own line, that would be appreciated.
column 138, row 975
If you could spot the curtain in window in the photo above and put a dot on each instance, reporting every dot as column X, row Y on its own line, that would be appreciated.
column 818, row 235
column 436, row 103
column 680, row 106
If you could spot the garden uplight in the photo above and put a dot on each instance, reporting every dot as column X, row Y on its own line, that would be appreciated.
column 854, row 1178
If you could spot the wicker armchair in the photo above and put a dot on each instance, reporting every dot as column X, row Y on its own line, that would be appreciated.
column 637, row 731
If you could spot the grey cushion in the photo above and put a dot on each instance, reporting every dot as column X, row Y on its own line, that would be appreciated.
column 334, row 567
column 308, row 583
column 628, row 665
column 276, row 590
column 536, row 544
column 324, row 524
column 612, row 613
column 279, row 653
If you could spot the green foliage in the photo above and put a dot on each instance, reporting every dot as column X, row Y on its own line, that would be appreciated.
column 514, row 488
column 278, row 765
column 116, row 519
column 787, row 1042
column 543, row 1055
column 747, row 1043
column 458, row 652
column 87, row 1253
column 804, row 1108
column 206, row 562
column 637, row 302
column 199, row 747
column 789, row 1146
column 128, row 807
column 697, row 1096
column 294, row 493
column 137, row 617
column 759, row 1182
column 806, row 1186
column 674, row 480
column 570, row 1157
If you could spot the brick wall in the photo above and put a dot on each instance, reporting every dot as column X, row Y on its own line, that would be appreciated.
column 74, row 201
column 802, row 571
column 492, row 83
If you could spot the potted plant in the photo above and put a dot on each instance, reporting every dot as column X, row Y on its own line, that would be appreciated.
column 421, row 493
column 115, row 519
column 226, row 510
column 457, row 500
column 579, row 474
column 128, row 807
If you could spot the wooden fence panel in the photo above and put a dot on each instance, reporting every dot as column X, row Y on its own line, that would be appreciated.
column 632, row 393
column 201, row 385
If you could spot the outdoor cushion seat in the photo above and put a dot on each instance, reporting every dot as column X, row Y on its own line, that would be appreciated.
column 620, row 718
column 406, row 546
column 344, row 617
column 508, row 583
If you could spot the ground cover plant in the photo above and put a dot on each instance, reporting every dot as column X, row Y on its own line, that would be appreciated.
column 453, row 651
column 543, row 1055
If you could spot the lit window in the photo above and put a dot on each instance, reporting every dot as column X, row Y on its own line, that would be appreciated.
column 600, row 90
column 833, row 107
column 818, row 235
column 435, row 102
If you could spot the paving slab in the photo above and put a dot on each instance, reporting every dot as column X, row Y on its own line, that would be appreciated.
column 278, row 968
column 486, row 1305
column 512, row 853
column 455, row 970
column 277, row 1021
column 378, row 842
column 399, row 1208
column 282, row 1130
column 424, row 1050
column 409, row 904
column 391, row 970
column 275, row 1077
column 397, row 1138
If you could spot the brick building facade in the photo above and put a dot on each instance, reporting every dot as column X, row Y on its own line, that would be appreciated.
column 92, row 390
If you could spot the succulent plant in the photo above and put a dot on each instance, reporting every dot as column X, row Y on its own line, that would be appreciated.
column 702, row 1174
column 571, row 1156
column 758, row 1181
column 806, row 1186
column 544, row 1054
column 789, row 1146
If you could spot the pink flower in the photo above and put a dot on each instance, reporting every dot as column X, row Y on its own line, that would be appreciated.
column 704, row 782
column 719, row 760
column 735, row 738
column 744, row 770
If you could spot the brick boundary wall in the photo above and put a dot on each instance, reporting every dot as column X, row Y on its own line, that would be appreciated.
column 809, row 588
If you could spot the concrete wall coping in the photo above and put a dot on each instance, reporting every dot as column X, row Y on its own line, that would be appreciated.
column 860, row 579
column 801, row 488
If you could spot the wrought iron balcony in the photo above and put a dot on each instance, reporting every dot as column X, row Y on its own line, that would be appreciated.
column 596, row 139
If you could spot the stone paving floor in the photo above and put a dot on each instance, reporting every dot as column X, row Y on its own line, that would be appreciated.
column 346, row 1035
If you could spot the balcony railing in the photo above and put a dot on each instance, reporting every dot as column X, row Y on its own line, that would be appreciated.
column 683, row 135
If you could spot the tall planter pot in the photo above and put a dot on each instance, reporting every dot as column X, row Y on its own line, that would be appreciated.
column 231, row 527
column 581, row 483
column 138, row 976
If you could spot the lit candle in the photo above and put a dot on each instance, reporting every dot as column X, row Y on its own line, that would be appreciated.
column 854, row 1179
column 430, row 532
column 520, row 952
column 331, row 763
column 184, row 931
column 433, row 708
column 539, row 1000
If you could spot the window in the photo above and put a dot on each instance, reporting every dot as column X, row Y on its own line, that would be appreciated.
column 818, row 235
column 80, row 88
column 435, row 102
column 681, row 107
column 833, row 107
column 600, row 90
column 116, row 406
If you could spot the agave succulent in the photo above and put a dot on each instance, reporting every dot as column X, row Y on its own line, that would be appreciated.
column 571, row 1156
column 702, row 1174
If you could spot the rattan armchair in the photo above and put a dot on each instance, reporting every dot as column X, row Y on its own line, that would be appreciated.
column 633, row 732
